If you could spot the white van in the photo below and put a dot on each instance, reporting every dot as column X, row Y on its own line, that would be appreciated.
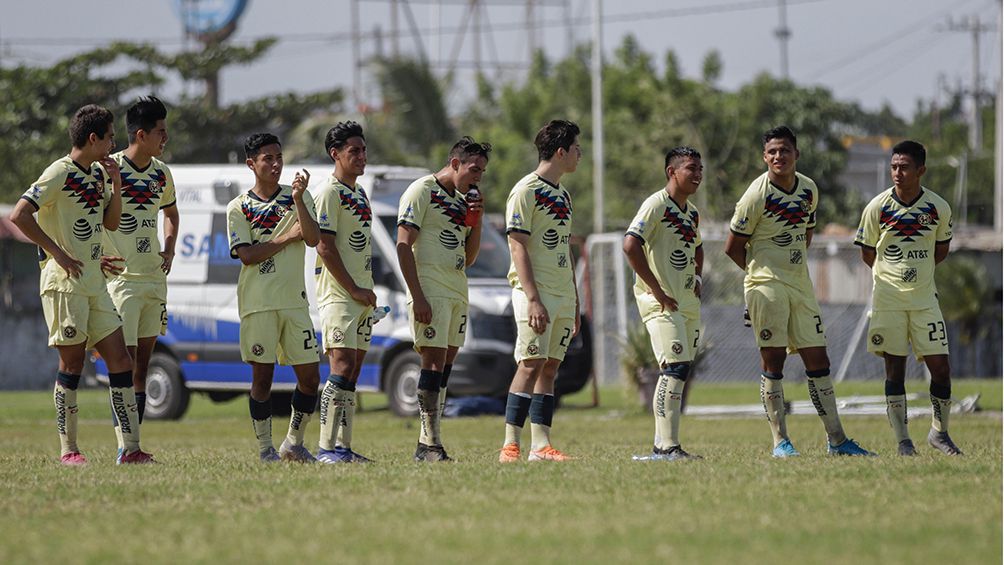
column 201, row 350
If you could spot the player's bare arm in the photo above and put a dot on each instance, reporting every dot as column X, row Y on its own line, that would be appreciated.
column 258, row 252
column 113, row 208
column 578, row 313
column 635, row 252
column 23, row 217
column 332, row 259
column 735, row 248
column 473, row 244
column 698, row 269
column 539, row 318
column 171, row 222
column 868, row 255
column 808, row 237
column 309, row 230
column 941, row 251
column 406, row 237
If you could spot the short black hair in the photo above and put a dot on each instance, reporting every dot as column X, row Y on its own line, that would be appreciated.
column 87, row 120
column 675, row 155
column 143, row 115
column 557, row 134
column 340, row 134
column 913, row 150
column 780, row 132
column 467, row 149
column 255, row 141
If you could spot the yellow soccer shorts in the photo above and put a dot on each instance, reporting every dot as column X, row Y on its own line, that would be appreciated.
column 553, row 343
column 890, row 331
column 286, row 336
column 674, row 337
column 448, row 327
column 346, row 325
column 784, row 316
column 75, row 318
column 143, row 307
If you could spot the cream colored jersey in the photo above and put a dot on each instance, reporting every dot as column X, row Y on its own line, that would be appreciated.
column 144, row 193
column 544, row 212
column 776, row 222
column 344, row 212
column 277, row 282
column 671, row 237
column 903, row 235
column 70, row 201
column 440, row 252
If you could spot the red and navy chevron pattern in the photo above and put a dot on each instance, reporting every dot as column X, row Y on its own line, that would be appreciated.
column 87, row 193
column 265, row 218
column 137, row 191
column 908, row 224
column 559, row 207
column 684, row 228
column 792, row 212
column 456, row 213
column 360, row 207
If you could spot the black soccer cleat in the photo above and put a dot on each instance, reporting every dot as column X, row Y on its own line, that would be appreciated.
column 943, row 443
column 906, row 448
column 674, row 453
column 431, row 453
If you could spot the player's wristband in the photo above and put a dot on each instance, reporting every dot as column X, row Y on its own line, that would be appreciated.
column 699, row 279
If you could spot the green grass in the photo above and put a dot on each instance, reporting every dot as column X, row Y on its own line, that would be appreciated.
column 210, row 501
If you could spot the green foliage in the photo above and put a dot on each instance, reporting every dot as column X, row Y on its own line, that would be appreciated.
column 964, row 291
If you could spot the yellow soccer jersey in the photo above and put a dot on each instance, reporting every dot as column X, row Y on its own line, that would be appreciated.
column 144, row 192
column 544, row 212
column 345, row 213
column 903, row 235
column 439, row 250
column 277, row 282
column 776, row 222
column 671, row 237
column 70, row 201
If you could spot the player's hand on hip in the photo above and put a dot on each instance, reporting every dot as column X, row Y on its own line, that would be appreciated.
column 300, row 182
column 109, row 264
column 539, row 318
column 364, row 296
column 73, row 267
column 666, row 301
column 167, row 259
column 423, row 311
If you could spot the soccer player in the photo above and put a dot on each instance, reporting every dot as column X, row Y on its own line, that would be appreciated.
column 345, row 297
column 434, row 247
column 268, row 227
column 904, row 233
column 770, row 232
column 544, row 297
column 137, row 265
column 663, row 246
column 76, row 199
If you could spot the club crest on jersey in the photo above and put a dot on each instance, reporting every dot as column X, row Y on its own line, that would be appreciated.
column 924, row 219
column 677, row 347
column 257, row 350
column 69, row 332
column 532, row 349
column 337, row 335
column 765, row 335
column 877, row 339
column 429, row 333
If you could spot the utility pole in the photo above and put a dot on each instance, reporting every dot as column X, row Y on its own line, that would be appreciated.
column 998, row 220
column 596, row 68
column 783, row 34
column 974, row 27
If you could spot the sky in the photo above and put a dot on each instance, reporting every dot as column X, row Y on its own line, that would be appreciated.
column 867, row 51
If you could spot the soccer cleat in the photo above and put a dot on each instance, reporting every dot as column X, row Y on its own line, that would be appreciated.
column 548, row 453
column 269, row 455
column 73, row 459
column 431, row 453
column 785, row 449
column 848, row 447
column 138, row 457
column 674, row 453
column 295, row 453
column 906, row 448
column 509, row 453
column 340, row 455
column 943, row 443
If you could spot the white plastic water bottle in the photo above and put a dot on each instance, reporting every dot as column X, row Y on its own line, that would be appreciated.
column 380, row 312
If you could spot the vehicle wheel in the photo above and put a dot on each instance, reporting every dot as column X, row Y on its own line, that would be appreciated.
column 402, row 383
column 166, row 394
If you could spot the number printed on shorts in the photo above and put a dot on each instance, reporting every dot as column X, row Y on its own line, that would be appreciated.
column 163, row 314
column 697, row 336
column 819, row 324
column 308, row 342
column 365, row 329
column 463, row 325
column 939, row 329
column 564, row 338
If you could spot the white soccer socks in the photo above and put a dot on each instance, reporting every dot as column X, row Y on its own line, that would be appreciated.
column 825, row 400
column 65, row 397
column 772, row 396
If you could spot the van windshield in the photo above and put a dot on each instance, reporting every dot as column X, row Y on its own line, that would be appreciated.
column 493, row 259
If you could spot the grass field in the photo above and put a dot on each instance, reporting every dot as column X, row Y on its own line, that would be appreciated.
column 211, row 501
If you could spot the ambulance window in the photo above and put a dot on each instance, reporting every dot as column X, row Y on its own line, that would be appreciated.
column 222, row 268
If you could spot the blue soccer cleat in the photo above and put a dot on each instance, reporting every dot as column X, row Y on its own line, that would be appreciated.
column 848, row 447
column 269, row 455
column 785, row 449
column 295, row 453
column 340, row 455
